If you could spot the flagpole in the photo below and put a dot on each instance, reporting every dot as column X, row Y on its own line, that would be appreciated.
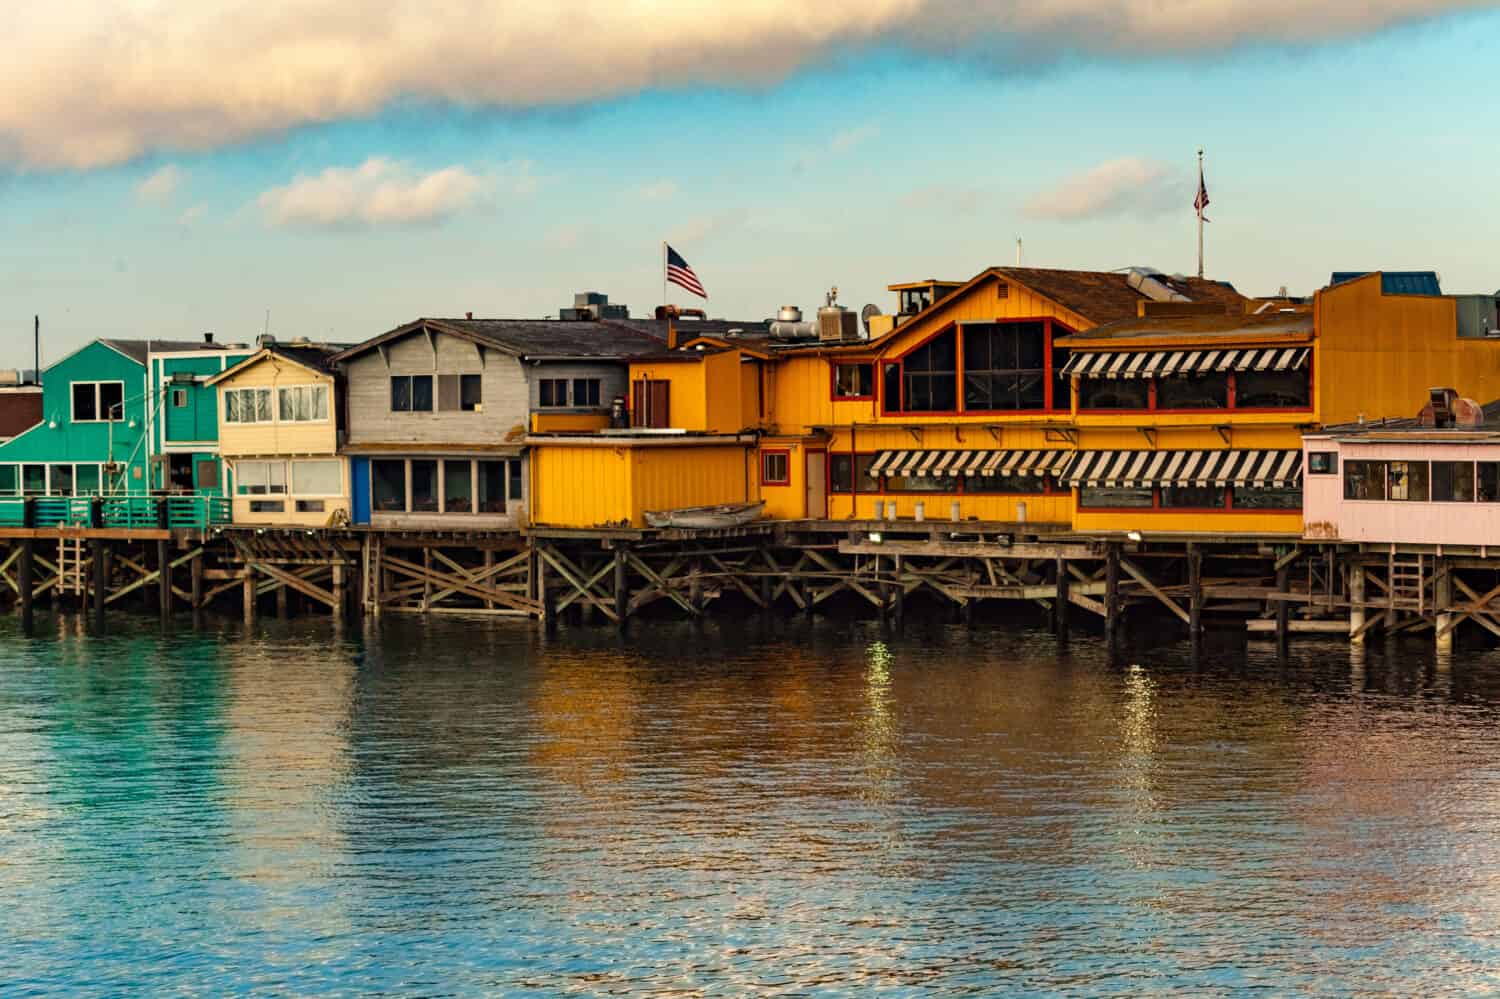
column 1200, row 217
column 663, row 272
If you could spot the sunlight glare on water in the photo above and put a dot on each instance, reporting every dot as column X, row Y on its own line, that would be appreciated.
column 762, row 807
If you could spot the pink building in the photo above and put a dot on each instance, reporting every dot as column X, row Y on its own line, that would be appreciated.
column 1433, row 480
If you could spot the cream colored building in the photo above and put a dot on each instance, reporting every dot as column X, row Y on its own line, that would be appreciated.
column 279, row 430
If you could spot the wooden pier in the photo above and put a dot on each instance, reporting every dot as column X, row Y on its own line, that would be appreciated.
column 1274, row 586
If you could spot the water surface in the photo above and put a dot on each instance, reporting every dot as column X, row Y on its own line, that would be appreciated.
column 747, row 807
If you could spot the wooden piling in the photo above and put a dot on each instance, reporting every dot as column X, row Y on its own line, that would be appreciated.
column 1442, row 599
column 25, row 582
column 195, row 575
column 100, row 578
column 1283, row 607
column 247, row 588
column 282, row 605
column 622, row 587
column 1356, row 574
column 1061, row 600
column 1112, row 592
column 163, row 579
column 900, row 593
column 1195, row 593
column 340, row 597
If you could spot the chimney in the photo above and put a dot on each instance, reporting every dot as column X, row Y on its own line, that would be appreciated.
column 208, row 338
column 468, row 315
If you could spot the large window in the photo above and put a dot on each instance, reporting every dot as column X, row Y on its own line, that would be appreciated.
column 424, row 494
column 1191, row 497
column 586, row 392
column 388, row 485
column 1364, row 480
column 61, row 483
column 1112, row 497
column 930, row 376
column 260, row 478
column 854, row 381
column 459, row 393
column 411, row 393
column 921, row 484
column 1271, row 389
column 247, row 405
column 458, row 487
column 1214, row 390
column 552, row 392
column 1453, row 481
column 1407, row 480
column 842, row 469
column 1193, row 392
column 492, row 486
column 318, row 478
column 1266, row 498
column 303, row 403
column 448, row 485
column 95, row 402
column 34, row 480
column 1194, row 497
column 1488, row 479
column 1020, row 484
column 1005, row 366
column 1112, row 393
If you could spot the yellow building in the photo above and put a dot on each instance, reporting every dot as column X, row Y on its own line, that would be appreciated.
column 279, row 431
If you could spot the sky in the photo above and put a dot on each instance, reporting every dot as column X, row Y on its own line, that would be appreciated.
column 336, row 168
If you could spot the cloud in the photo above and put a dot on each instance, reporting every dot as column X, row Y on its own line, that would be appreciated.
column 377, row 192
column 944, row 198
column 1127, row 186
column 99, row 83
column 661, row 190
column 161, row 185
column 841, row 143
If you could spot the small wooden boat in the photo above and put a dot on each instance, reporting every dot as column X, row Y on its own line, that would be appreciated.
column 706, row 517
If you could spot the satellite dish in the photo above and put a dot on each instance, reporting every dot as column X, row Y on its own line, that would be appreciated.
column 866, row 314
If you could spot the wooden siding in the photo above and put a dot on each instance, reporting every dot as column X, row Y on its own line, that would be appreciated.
column 713, row 393
column 624, row 482
column 332, row 505
column 276, row 437
column 503, row 388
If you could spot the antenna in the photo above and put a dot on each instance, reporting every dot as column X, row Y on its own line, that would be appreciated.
column 1018, row 251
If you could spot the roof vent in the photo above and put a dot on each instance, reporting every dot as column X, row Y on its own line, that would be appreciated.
column 1446, row 409
column 1149, row 284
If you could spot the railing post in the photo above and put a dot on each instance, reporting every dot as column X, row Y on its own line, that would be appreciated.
column 28, row 511
column 96, row 512
column 161, row 511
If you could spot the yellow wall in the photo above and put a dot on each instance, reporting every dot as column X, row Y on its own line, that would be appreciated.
column 586, row 485
column 277, row 438
column 545, row 423
column 1379, row 354
column 711, row 392
column 1191, row 522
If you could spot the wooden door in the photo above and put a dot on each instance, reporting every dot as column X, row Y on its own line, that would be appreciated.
column 817, row 484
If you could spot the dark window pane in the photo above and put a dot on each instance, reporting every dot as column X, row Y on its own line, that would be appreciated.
column 1322, row 462
column 1005, row 484
column 1270, row 389
column 1005, row 366
column 458, row 492
column 1108, row 497
column 1193, row 392
column 516, row 492
column 492, row 487
column 1489, row 482
column 1193, row 497
column 85, row 401
column 1112, row 393
column 111, row 395
column 470, row 392
column 1364, row 480
column 586, row 392
column 424, row 486
column 892, row 388
column 1253, row 498
column 1062, row 385
column 1453, row 481
column 921, row 484
column 421, row 393
column 62, row 480
column 400, row 394
column 447, row 386
column 853, row 380
column 388, row 483
column 1407, row 480
column 841, row 473
column 932, row 375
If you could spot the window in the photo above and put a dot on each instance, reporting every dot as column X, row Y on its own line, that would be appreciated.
column 1062, row 385
column 8, row 480
column 1488, row 482
column 424, row 494
column 854, row 381
column 95, row 402
column 1255, row 498
column 1193, row 392
column 552, row 392
column 388, row 485
column 318, row 478
column 1193, row 497
column 841, row 470
column 179, row 398
column 303, row 403
column 775, row 468
column 492, row 487
column 921, row 484
column 1109, row 497
column 260, row 478
column 914, row 300
column 1364, row 480
column 411, row 393
column 208, row 474
column 586, row 392
column 1407, row 480
column 470, row 393
column 1005, row 366
column 34, row 480
column 458, row 487
column 930, row 376
column 309, row 506
column 1114, row 393
column 267, row 506
column 62, row 480
column 513, row 467
column 1006, row 484
column 1322, row 462
column 1271, row 389
column 248, row 405
column 1453, row 481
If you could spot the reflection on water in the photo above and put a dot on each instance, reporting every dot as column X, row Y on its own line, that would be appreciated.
column 740, row 808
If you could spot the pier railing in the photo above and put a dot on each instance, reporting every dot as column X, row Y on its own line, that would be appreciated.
column 115, row 510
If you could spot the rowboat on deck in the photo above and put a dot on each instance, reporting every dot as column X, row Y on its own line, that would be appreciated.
column 706, row 517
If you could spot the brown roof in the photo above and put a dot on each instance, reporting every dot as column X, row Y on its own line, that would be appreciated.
column 1106, row 296
column 1269, row 323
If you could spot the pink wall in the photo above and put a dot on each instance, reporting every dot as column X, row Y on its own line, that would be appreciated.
column 1328, row 516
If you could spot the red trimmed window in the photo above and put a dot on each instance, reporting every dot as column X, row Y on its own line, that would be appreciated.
column 1188, row 497
column 776, row 468
column 1230, row 390
column 1003, row 366
column 853, row 380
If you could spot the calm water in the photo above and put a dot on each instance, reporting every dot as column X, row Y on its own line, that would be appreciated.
column 745, row 808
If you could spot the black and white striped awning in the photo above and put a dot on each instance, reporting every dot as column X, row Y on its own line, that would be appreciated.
column 1166, row 363
column 959, row 462
column 1131, row 469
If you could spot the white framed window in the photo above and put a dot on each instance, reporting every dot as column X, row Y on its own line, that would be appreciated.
column 179, row 398
column 260, row 478
column 247, row 405
column 98, row 402
column 318, row 478
column 302, row 404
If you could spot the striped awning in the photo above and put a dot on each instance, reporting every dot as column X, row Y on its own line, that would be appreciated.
column 1131, row 469
column 960, row 462
column 1166, row 363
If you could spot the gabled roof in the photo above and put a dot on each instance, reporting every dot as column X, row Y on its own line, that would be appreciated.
column 314, row 357
column 138, row 350
column 1106, row 296
column 535, row 338
column 1298, row 323
column 1396, row 282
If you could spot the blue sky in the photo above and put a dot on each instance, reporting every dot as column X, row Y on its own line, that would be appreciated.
column 1369, row 150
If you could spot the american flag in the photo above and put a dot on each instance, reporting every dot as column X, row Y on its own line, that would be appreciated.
column 1201, row 201
column 679, row 273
